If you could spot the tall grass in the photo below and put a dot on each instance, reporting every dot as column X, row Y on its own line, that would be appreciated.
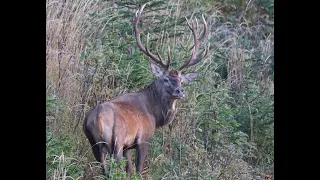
column 70, row 25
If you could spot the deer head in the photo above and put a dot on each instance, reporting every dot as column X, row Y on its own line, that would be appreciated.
column 169, row 78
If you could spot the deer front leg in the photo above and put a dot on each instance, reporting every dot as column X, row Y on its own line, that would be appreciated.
column 127, row 154
column 142, row 150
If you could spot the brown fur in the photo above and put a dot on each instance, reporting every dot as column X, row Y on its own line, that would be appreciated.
column 129, row 121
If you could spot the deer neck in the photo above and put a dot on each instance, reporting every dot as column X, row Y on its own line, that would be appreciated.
column 160, row 106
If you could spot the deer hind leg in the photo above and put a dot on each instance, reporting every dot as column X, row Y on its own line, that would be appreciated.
column 117, row 153
column 100, row 153
column 103, row 163
column 99, row 156
column 110, row 168
column 97, row 152
column 104, row 149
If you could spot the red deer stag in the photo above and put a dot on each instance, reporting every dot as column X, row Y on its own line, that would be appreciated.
column 128, row 121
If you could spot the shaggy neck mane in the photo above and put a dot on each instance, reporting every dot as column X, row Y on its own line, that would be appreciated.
column 160, row 106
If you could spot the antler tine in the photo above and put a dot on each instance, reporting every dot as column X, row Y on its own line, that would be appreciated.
column 169, row 58
column 145, row 50
column 193, row 59
column 206, row 52
column 205, row 30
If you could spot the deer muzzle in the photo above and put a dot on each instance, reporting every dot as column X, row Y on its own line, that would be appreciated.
column 178, row 93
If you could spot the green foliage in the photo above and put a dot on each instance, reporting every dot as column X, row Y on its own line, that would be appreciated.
column 51, row 103
column 59, row 157
column 118, row 169
column 269, row 4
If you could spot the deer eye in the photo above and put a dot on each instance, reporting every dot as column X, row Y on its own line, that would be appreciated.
column 165, row 79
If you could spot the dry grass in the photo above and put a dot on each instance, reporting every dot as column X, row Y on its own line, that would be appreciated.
column 69, row 25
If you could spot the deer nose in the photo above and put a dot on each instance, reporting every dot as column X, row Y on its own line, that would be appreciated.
column 179, row 90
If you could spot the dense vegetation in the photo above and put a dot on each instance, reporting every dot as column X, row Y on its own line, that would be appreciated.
column 223, row 128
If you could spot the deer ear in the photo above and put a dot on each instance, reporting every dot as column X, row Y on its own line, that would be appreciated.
column 189, row 77
column 156, row 70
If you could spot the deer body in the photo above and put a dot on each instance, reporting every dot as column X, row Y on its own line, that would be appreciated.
column 128, row 121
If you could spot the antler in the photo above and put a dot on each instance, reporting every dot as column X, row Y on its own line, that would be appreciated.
column 194, row 59
column 156, row 59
